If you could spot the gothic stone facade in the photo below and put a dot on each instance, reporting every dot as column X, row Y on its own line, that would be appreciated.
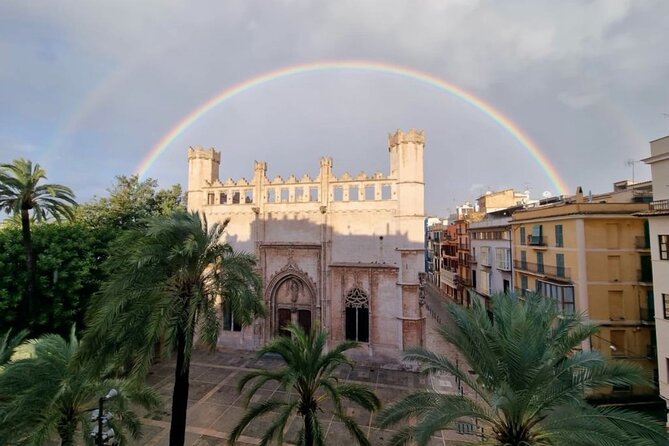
column 344, row 252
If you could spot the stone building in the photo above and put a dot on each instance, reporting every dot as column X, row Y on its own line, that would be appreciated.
column 344, row 252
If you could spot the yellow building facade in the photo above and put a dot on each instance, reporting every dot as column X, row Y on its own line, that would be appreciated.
column 593, row 258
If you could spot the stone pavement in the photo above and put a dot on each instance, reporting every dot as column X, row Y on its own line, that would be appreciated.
column 215, row 407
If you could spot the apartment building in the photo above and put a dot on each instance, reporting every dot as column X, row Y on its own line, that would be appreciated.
column 592, row 256
column 658, row 218
column 490, row 259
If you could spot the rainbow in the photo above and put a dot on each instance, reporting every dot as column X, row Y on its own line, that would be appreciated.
column 409, row 73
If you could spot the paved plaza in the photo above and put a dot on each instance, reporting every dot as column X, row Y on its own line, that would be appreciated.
column 215, row 406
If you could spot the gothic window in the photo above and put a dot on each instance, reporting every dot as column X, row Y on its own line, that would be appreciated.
column 357, row 315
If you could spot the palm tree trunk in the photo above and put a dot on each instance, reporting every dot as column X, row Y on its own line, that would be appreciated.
column 66, row 429
column 180, row 393
column 26, row 308
column 308, row 428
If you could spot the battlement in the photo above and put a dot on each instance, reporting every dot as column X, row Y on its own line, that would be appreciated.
column 198, row 152
column 367, row 190
column 400, row 137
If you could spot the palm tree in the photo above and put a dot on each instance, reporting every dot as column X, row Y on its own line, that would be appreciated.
column 22, row 194
column 52, row 392
column 166, row 280
column 528, row 383
column 8, row 344
column 309, row 373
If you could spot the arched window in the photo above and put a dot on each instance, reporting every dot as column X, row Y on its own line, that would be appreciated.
column 357, row 315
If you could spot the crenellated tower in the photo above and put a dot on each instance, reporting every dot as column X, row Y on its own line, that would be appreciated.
column 203, row 166
column 406, row 166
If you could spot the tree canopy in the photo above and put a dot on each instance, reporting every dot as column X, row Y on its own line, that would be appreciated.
column 528, row 381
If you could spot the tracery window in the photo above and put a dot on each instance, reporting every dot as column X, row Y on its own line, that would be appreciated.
column 357, row 315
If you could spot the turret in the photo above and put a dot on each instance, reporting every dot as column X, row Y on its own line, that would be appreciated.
column 406, row 165
column 203, row 165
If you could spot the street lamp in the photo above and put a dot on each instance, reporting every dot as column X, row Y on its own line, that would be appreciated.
column 100, row 432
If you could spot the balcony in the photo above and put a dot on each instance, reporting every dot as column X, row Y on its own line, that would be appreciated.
column 647, row 315
column 659, row 205
column 645, row 276
column 536, row 240
column 463, row 246
column 554, row 272
column 448, row 277
column 472, row 259
column 642, row 243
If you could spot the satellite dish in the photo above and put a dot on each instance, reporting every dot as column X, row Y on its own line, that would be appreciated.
column 546, row 194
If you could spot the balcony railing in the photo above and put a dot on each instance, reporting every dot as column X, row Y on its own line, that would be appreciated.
column 641, row 242
column 546, row 270
column 463, row 245
column 536, row 240
column 659, row 205
column 472, row 259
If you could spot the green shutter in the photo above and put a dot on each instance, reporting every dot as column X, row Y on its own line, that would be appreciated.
column 558, row 236
column 559, row 263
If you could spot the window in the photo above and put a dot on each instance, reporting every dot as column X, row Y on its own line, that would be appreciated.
column 523, row 239
column 665, row 305
column 369, row 192
column 540, row 262
column 210, row 198
column 386, row 193
column 248, row 195
column 271, row 195
column 299, row 194
column 618, row 347
column 357, row 315
column 523, row 260
column 484, row 255
column 663, row 241
column 559, row 264
column 353, row 193
column 235, row 197
column 223, row 198
column 313, row 193
column 503, row 258
column 563, row 295
column 484, row 282
column 284, row 195
column 537, row 235
column 523, row 285
column 616, row 312
column 338, row 193
column 229, row 323
column 559, row 242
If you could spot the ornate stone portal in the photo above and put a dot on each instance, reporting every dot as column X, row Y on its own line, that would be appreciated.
column 343, row 252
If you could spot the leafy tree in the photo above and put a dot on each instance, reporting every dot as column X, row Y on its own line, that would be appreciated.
column 308, row 372
column 22, row 194
column 131, row 202
column 166, row 280
column 69, row 271
column 529, row 381
column 52, row 392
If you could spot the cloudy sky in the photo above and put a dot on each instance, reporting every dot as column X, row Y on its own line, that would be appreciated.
column 87, row 88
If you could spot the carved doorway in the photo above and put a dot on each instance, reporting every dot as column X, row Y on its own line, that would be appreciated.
column 293, row 302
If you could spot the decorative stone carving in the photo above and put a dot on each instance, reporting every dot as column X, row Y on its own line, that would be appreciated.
column 357, row 298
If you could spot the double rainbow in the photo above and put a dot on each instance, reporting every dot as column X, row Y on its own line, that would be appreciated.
column 378, row 67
